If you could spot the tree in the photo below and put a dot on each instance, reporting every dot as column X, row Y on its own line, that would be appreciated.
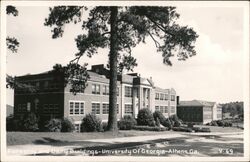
column 121, row 29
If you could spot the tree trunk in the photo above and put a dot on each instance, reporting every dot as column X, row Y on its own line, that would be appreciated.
column 112, row 120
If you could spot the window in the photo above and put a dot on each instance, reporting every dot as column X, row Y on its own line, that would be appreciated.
column 172, row 109
column 95, row 89
column 105, row 90
column 165, row 109
column 161, row 109
column 95, row 108
column 46, row 84
column 157, row 96
column 128, row 109
column 157, row 108
column 128, row 91
column 105, row 108
column 78, row 128
column 22, row 108
column 117, row 91
column 166, row 96
column 161, row 96
column 172, row 97
column 76, row 108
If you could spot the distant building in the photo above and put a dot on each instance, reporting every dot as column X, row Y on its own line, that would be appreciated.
column 9, row 110
column 198, row 111
column 54, row 100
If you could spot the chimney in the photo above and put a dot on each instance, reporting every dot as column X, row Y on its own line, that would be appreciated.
column 178, row 100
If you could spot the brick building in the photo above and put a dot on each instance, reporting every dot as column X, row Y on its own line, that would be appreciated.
column 198, row 111
column 54, row 100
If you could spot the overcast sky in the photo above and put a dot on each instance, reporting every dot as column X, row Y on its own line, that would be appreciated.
column 214, row 74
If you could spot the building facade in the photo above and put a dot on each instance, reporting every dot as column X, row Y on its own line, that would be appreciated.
column 53, row 98
column 197, row 111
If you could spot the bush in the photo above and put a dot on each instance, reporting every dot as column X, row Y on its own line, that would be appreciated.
column 91, row 123
column 182, row 129
column 190, row 125
column 158, row 115
column 220, row 123
column 104, row 126
column 67, row 125
column 213, row 123
column 148, row 128
column 198, row 129
column 177, row 123
column 145, row 117
column 12, row 124
column 29, row 122
column 53, row 125
column 127, row 122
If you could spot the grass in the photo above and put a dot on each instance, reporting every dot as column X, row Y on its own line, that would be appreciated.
column 22, row 138
column 57, row 138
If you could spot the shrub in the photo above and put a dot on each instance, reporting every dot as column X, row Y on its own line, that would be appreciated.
column 53, row 125
column 158, row 115
column 220, row 123
column 182, row 129
column 167, row 123
column 127, row 122
column 145, row 117
column 29, row 122
column 104, row 126
column 12, row 124
column 198, row 129
column 91, row 123
column 67, row 125
column 157, row 122
column 213, row 123
column 190, row 125
column 148, row 128
column 177, row 123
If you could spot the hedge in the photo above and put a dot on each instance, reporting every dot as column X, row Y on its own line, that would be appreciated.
column 148, row 128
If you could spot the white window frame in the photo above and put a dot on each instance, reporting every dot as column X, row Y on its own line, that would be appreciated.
column 95, row 102
column 74, row 101
column 125, row 109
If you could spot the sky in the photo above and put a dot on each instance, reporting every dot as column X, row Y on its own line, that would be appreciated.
column 214, row 74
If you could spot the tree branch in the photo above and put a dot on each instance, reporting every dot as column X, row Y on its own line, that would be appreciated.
column 157, row 44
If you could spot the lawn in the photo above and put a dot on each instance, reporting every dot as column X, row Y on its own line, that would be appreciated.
column 21, row 138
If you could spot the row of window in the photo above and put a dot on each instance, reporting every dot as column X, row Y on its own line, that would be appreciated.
column 162, row 96
column 41, row 85
column 164, row 109
column 96, row 89
column 51, row 108
column 77, row 108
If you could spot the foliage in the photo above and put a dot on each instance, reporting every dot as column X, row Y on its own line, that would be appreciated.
column 53, row 125
column 127, row 122
column 234, row 108
column 176, row 122
column 190, row 125
column 104, row 126
column 91, row 123
column 199, row 129
column 29, row 122
column 74, row 74
column 12, row 124
column 162, row 119
column 12, row 44
column 145, row 117
column 67, row 125
column 182, row 129
column 11, row 10
column 149, row 128
column 220, row 123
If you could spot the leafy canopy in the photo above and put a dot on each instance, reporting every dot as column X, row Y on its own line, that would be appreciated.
column 135, row 23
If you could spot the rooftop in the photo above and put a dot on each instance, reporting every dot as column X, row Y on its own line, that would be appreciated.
column 196, row 103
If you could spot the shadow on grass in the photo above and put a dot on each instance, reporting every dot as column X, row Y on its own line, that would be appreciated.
column 217, row 147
